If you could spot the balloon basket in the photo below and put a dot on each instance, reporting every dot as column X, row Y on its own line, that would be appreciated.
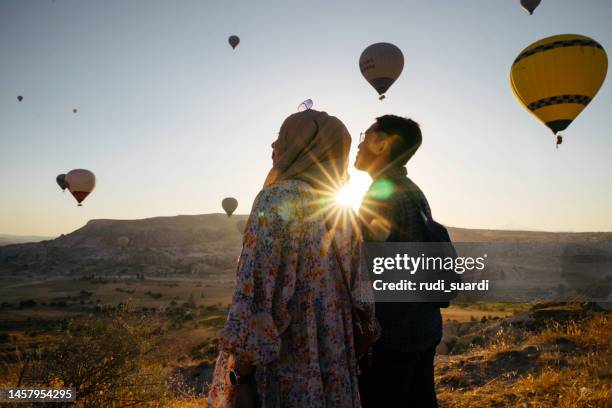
column 381, row 97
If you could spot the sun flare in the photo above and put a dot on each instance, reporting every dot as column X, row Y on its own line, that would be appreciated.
column 352, row 193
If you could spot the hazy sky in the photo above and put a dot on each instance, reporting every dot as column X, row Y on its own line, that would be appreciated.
column 172, row 120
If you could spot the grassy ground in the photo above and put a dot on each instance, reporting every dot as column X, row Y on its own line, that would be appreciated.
column 111, row 291
column 189, row 315
column 561, row 361
column 556, row 356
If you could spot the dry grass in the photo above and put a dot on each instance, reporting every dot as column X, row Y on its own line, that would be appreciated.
column 563, row 365
column 193, row 402
column 594, row 332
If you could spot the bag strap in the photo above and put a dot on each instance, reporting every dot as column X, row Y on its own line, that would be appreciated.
column 418, row 203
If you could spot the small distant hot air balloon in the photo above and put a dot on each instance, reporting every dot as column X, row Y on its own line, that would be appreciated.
column 123, row 241
column 20, row 98
column 233, row 40
column 557, row 77
column 80, row 182
column 61, row 181
column 381, row 64
column 74, row 110
column 229, row 205
column 307, row 104
column 530, row 5
column 241, row 225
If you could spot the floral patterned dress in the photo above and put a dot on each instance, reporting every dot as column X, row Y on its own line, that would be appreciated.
column 291, row 313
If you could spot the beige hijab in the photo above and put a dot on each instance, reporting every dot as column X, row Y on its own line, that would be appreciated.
column 312, row 146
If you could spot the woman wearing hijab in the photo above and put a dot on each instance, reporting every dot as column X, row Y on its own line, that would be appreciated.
column 288, row 339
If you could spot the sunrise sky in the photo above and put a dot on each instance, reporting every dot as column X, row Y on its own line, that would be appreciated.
column 171, row 119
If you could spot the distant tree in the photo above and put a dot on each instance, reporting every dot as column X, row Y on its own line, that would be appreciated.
column 85, row 294
column 27, row 303
column 154, row 295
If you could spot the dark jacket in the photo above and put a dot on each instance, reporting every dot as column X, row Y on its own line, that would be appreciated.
column 405, row 326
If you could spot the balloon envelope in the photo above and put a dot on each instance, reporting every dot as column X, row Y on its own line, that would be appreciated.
column 530, row 5
column 381, row 64
column 80, row 182
column 61, row 181
column 557, row 77
column 229, row 205
column 241, row 225
column 234, row 40
column 123, row 241
column 20, row 98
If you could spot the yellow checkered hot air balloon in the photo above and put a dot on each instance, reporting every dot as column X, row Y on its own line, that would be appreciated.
column 557, row 77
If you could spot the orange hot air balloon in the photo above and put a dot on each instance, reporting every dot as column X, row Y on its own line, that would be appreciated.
column 81, row 183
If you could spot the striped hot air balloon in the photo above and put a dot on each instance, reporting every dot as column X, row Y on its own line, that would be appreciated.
column 557, row 77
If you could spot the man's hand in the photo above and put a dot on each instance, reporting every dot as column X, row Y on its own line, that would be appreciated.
column 244, row 369
column 245, row 396
column 245, row 393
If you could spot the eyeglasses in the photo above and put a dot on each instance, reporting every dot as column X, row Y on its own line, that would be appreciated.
column 378, row 134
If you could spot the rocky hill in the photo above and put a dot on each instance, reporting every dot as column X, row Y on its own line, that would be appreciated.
column 161, row 246
column 193, row 245
column 485, row 235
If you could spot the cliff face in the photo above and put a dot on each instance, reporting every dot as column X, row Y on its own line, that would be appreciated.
column 198, row 245
column 184, row 244
column 484, row 235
